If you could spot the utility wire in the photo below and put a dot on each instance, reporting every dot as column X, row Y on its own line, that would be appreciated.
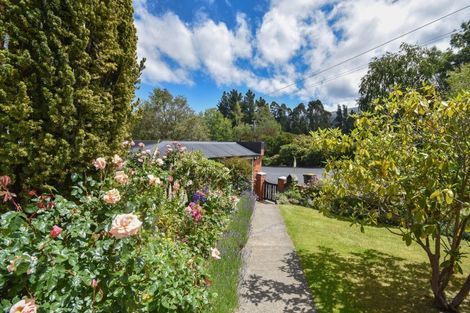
column 364, row 66
column 372, row 49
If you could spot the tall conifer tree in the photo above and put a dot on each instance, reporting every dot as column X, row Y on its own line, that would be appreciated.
column 68, row 70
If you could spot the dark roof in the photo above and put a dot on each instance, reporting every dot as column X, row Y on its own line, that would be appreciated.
column 211, row 149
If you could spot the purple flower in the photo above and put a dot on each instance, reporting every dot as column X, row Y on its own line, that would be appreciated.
column 199, row 196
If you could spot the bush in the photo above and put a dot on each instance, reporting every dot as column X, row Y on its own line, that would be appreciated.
column 301, row 195
column 240, row 173
column 83, row 255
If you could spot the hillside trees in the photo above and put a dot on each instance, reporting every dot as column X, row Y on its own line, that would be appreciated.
column 409, row 163
column 68, row 71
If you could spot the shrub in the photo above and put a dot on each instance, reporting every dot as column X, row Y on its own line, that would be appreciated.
column 240, row 173
column 130, row 238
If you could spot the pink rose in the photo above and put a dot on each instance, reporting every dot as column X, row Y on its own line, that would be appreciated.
column 24, row 306
column 99, row 163
column 118, row 162
column 215, row 253
column 55, row 231
column 121, row 177
column 11, row 267
column 153, row 180
column 176, row 186
column 196, row 213
column 125, row 225
column 94, row 283
column 5, row 181
column 141, row 145
column 112, row 196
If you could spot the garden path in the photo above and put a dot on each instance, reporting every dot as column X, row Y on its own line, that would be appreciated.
column 272, row 279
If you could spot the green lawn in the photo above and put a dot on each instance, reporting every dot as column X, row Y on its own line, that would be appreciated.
column 225, row 272
column 350, row 271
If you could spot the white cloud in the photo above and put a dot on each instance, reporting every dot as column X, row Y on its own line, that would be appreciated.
column 219, row 49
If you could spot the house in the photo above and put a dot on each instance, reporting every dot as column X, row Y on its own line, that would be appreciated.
column 253, row 151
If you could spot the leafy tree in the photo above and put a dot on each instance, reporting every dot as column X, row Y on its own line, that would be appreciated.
column 459, row 80
column 166, row 117
column 237, row 114
column 281, row 113
column 219, row 127
column 265, row 126
column 68, row 71
column 243, row 132
column 317, row 116
column 408, row 68
column 410, row 165
column 461, row 43
column 298, row 120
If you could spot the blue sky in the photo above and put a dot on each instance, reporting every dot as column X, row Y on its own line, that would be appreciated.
column 198, row 49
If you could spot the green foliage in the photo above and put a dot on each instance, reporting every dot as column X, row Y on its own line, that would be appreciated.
column 461, row 43
column 409, row 163
column 302, row 150
column 240, row 173
column 164, row 117
column 219, row 127
column 67, row 78
column 459, row 80
column 410, row 67
column 160, row 268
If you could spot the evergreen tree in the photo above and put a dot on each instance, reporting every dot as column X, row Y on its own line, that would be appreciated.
column 261, row 104
column 339, row 118
column 224, row 105
column 68, row 71
column 248, row 107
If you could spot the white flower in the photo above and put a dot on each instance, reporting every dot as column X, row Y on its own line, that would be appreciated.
column 112, row 196
column 215, row 253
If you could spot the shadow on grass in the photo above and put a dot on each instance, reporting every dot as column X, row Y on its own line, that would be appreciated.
column 371, row 281
column 288, row 296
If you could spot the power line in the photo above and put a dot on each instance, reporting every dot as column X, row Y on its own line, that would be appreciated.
column 364, row 66
column 371, row 49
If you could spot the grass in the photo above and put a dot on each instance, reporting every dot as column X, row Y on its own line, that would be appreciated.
column 350, row 271
column 225, row 272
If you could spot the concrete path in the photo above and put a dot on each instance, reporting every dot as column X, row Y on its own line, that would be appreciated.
column 272, row 279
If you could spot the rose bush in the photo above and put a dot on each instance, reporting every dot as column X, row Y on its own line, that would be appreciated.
column 124, row 240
